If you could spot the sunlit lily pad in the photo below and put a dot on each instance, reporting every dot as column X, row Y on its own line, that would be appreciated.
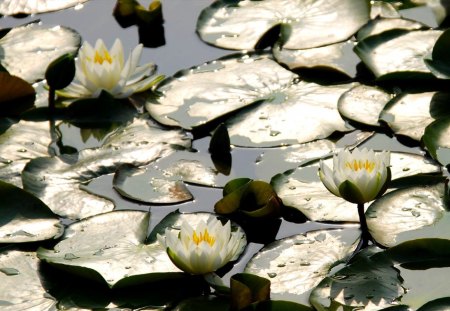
column 295, row 265
column 57, row 180
column 14, row 7
column 27, row 50
column 241, row 24
column 383, row 9
column 436, row 140
column 411, row 274
column 408, row 214
column 21, row 287
column 379, row 25
column 24, row 218
column 363, row 104
column 410, row 114
column 201, row 94
column 20, row 143
column 302, row 189
column 398, row 53
column 338, row 56
column 301, row 113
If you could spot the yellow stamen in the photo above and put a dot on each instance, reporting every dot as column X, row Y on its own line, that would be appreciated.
column 203, row 237
column 357, row 165
column 98, row 58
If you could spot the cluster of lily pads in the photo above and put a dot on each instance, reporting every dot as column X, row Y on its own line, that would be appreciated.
column 316, row 77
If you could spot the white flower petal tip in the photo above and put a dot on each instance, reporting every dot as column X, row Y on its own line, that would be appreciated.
column 205, row 248
column 358, row 176
column 98, row 68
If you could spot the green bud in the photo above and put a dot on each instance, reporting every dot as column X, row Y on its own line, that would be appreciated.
column 61, row 71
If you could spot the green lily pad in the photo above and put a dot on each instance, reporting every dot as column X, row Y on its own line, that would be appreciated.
column 16, row 95
column 241, row 24
column 302, row 189
column 20, row 143
column 276, row 122
column 412, row 274
column 201, row 94
column 14, row 7
column 58, row 181
column 337, row 56
column 27, row 50
column 24, row 218
column 379, row 25
column 398, row 53
column 410, row 114
column 21, row 286
column 295, row 265
column 436, row 140
column 363, row 104
column 439, row 64
column 409, row 213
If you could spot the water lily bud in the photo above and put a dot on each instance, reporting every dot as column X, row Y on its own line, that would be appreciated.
column 359, row 176
column 203, row 249
column 61, row 71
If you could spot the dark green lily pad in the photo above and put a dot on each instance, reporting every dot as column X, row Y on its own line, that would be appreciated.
column 412, row 274
column 295, row 265
column 338, row 56
column 379, row 25
column 201, row 94
column 302, row 189
column 27, row 50
column 398, row 53
column 301, row 113
column 240, row 25
column 408, row 214
column 410, row 114
column 439, row 64
column 16, row 95
column 20, row 143
column 58, row 181
column 436, row 140
column 24, row 218
column 21, row 286
column 14, row 7
column 363, row 104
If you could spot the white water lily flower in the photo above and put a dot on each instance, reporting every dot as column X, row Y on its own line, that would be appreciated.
column 359, row 176
column 203, row 249
column 99, row 69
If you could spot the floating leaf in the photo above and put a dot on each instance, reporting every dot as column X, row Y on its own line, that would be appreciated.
column 396, row 52
column 295, row 265
column 410, row 213
column 24, row 218
column 363, row 104
column 439, row 64
column 248, row 288
column 16, row 95
column 56, row 181
column 436, row 139
column 26, row 51
column 21, row 286
column 20, row 143
column 301, row 113
column 410, row 114
column 201, row 94
column 411, row 274
column 379, row 25
column 240, row 25
column 302, row 189
column 14, row 7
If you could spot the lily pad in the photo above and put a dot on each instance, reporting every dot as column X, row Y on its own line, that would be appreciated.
column 436, row 140
column 398, row 53
column 410, row 114
column 302, row 189
column 379, row 25
column 439, row 64
column 295, row 265
column 337, row 56
column 58, row 181
column 16, row 95
column 363, row 104
column 301, row 113
column 20, row 143
column 27, row 50
column 408, row 214
column 240, row 25
column 24, row 218
column 21, row 286
column 201, row 94
column 412, row 274
column 14, row 7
